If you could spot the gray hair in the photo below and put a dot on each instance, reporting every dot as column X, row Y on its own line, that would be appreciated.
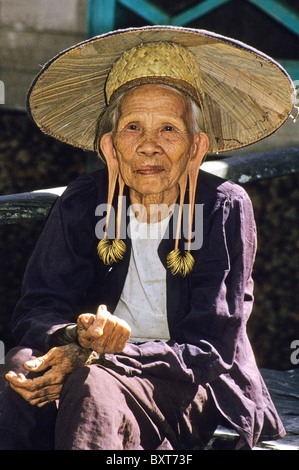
column 108, row 120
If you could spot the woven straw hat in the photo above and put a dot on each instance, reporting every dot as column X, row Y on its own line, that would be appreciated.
column 244, row 95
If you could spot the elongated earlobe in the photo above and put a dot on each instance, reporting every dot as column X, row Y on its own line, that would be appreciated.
column 178, row 262
column 112, row 251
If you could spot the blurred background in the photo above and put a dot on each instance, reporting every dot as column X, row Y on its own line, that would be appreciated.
column 33, row 31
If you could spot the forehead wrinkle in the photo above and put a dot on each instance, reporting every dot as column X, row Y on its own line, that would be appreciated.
column 146, row 100
column 155, row 119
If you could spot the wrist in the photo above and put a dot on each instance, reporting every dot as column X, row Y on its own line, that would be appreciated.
column 70, row 333
column 65, row 335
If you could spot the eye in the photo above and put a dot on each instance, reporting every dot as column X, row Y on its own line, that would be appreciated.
column 132, row 127
column 168, row 128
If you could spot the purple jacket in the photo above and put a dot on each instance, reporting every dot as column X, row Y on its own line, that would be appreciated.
column 207, row 311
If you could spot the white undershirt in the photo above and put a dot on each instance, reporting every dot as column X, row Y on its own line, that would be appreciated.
column 143, row 300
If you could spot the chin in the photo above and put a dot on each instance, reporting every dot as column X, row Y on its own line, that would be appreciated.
column 149, row 187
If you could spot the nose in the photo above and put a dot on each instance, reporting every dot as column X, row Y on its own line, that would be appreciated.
column 149, row 145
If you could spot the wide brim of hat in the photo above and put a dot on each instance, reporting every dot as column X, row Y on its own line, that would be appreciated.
column 246, row 95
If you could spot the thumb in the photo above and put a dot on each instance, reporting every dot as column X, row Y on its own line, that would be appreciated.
column 38, row 364
column 85, row 320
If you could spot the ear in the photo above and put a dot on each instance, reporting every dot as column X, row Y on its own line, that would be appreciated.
column 107, row 147
column 109, row 152
column 199, row 149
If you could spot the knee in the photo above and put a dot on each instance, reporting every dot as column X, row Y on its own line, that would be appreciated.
column 77, row 376
column 87, row 382
column 79, row 384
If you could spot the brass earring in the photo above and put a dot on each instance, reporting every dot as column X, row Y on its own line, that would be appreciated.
column 179, row 263
column 111, row 251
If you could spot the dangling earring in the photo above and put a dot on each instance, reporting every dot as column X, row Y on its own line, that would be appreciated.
column 178, row 262
column 112, row 251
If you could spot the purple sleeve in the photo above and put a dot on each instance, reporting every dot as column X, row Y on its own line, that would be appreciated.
column 59, row 270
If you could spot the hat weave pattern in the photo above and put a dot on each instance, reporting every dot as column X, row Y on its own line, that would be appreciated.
column 156, row 62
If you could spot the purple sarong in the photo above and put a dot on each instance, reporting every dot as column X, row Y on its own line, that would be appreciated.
column 104, row 409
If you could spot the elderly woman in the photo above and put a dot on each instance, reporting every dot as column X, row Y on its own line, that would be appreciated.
column 138, row 341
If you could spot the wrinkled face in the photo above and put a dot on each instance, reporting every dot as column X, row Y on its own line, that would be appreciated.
column 153, row 141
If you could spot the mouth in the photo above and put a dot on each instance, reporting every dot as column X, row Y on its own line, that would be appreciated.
column 149, row 170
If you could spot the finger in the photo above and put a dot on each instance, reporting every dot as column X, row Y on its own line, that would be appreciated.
column 46, row 402
column 47, row 395
column 14, row 378
column 85, row 320
column 36, row 364
column 44, row 396
column 102, row 316
column 20, row 382
column 37, row 390
column 100, row 342
column 9, row 375
column 102, row 312
column 52, row 357
column 23, row 389
column 102, row 308
column 124, row 337
column 120, row 337
column 115, row 337
column 108, row 334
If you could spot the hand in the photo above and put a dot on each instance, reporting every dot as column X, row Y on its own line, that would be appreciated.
column 103, row 332
column 60, row 361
